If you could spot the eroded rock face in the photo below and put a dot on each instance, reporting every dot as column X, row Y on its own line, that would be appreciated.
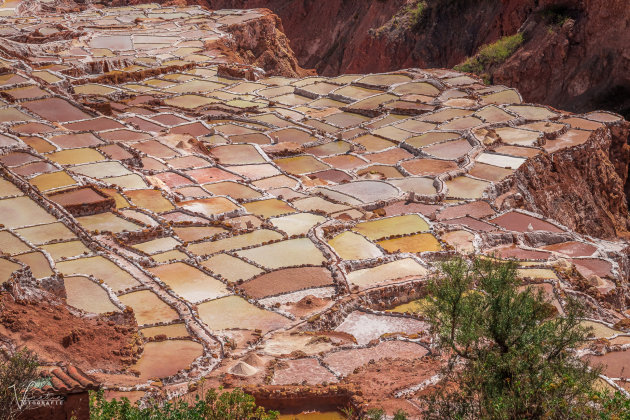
column 575, row 56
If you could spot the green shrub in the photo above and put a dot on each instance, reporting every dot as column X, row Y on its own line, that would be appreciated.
column 17, row 371
column 511, row 356
column 416, row 12
column 491, row 55
column 234, row 405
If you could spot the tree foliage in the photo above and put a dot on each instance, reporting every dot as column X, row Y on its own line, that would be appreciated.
column 17, row 371
column 234, row 405
column 511, row 356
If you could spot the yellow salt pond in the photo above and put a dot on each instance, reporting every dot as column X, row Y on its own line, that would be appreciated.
column 399, row 225
column 235, row 242
column 285, row 254
column 231, row 268
column 420, row 242
column 352, row 246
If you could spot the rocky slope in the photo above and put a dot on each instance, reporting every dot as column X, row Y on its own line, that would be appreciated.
column 575, row 55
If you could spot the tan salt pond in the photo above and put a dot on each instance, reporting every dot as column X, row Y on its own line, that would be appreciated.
column 209, row 206
column 22, row 211
column 285, row 254
column 600, row 330
column 518, row 136
column 532, row 112
column 231, row 268
column 395, row 270
column 430, row 138
column 44, row 233
column 107, row 222
column 6, row 269
column 268, row 208
column 189, row 282
column 170, row 331
column 150, row 199
column 148, row 308
column 237, row 154
column 352, row 246
column 233, row 189
column 465, row 187
column 235, row 312
column 461, row 240
column 301, row 164
column 399, row 225
column 40, row 267
column 157, row 245
column 62, row 250
column 7, row 189
column 297, row 224
column 193, row 233
column 235, row 242
column 11, row 244
column 373, row 143
column 161, row 359
column 101, row 268
column 84, row 294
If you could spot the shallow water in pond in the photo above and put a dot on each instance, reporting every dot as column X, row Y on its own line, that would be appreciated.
column 82, row 293
column 165, row 358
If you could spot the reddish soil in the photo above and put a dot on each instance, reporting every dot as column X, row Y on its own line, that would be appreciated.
column 46, row 326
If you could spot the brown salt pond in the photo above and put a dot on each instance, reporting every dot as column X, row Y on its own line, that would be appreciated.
column 287, row 280
column 301, row 164
column 189, row 282
column 285, row 254
column 235, row 312
column 233, row 189
column 161, row 359
column 84, row 294
column 148, row 308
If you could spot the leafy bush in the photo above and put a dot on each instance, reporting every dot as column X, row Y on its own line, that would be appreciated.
column 491, row 55
column 17, row 371
column 511, row 356
column 416, row 11
column 235, row 405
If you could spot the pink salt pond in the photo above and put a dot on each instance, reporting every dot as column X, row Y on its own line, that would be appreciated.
column 572, row 249
column 55, row 109
column 298, row 371
column 161, row 359
column 519, row 222
column 367, row 327
column 344, row 362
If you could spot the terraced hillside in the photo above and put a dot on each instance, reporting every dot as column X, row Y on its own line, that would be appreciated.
column 272, row 231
